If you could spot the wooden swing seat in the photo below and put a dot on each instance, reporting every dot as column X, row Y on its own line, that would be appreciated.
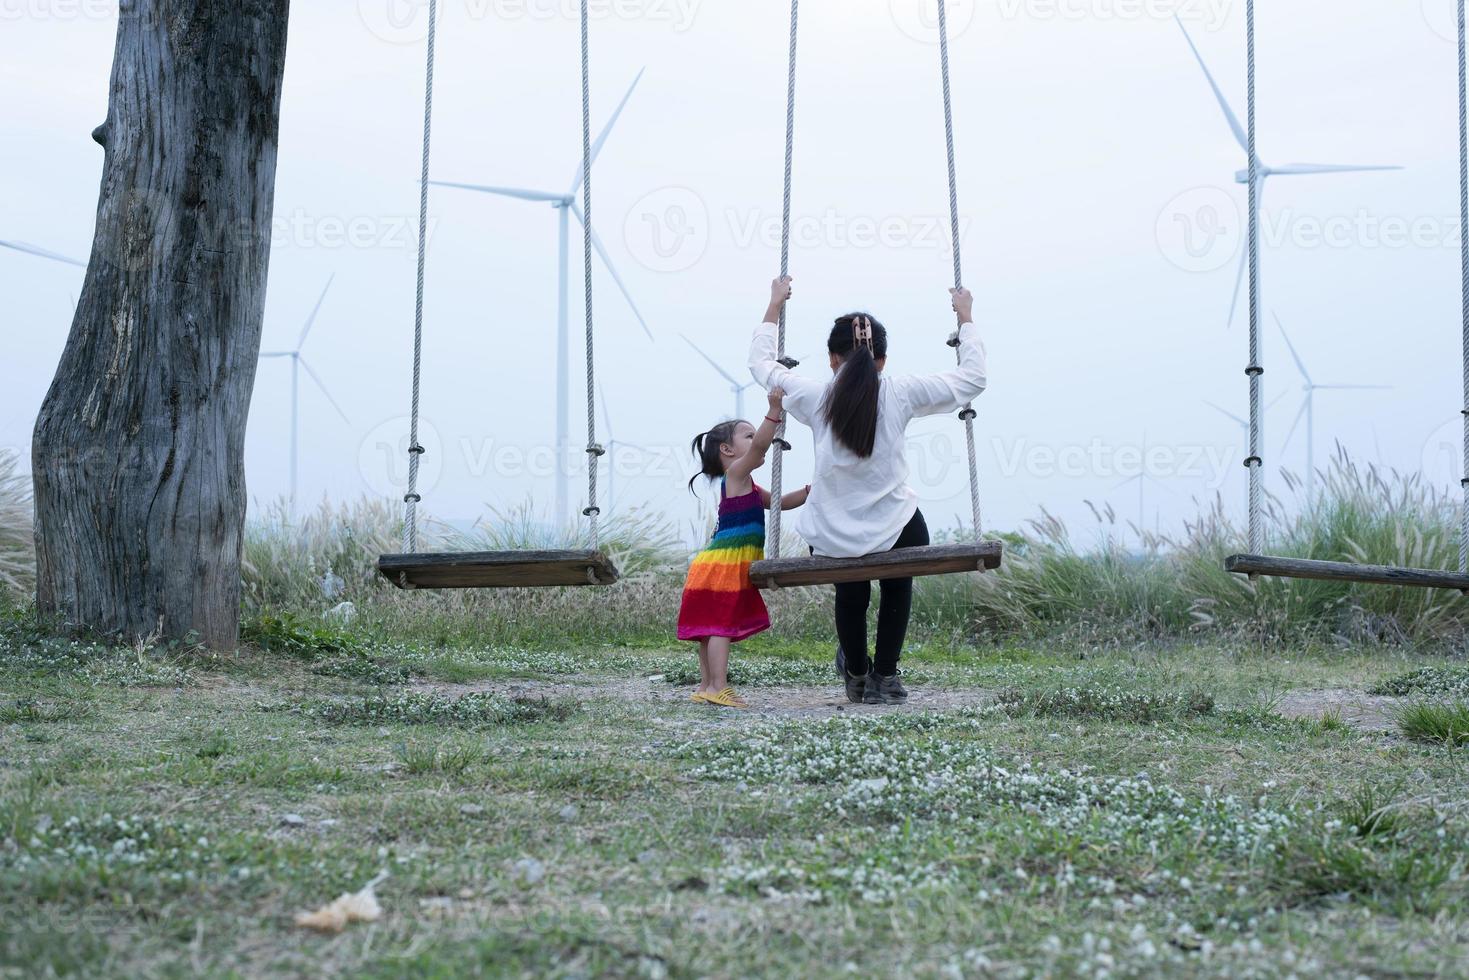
column 497, row 569
column 1346, row 571
column 941, row 559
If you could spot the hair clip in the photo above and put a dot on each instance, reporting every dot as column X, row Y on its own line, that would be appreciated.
column 862, row 332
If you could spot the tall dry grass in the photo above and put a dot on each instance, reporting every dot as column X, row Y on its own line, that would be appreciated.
column 17, row 542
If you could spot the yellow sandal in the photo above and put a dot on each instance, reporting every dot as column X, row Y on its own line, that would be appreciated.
column 726, row 698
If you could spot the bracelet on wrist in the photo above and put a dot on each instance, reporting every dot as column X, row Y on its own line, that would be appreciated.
column 769, row 419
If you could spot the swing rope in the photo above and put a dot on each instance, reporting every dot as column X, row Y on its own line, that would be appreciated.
column 785, row 265
column 967, row 413
column 1464, row 281
column 594, row 451
column 412, row 498
column 1254, row 370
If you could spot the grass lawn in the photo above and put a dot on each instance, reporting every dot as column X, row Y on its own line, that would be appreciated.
column 569, row 812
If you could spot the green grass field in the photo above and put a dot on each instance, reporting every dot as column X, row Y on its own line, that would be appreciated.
column 1188, row 810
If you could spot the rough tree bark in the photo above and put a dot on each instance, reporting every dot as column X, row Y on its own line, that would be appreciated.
column 138, row 451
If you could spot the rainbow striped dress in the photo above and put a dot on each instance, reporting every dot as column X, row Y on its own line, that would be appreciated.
column 718, row 599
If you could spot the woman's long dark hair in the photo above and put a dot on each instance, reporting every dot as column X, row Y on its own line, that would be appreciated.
column 706, row 448
column 850, row 406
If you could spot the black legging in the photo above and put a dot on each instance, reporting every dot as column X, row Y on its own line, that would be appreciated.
column 893, row 607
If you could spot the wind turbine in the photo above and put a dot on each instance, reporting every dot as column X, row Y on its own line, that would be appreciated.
column 612, row 443
column 297, row 364
column 1142, row 478
column 1262, row 169
column 1243, row 423
column 734, row 383
column 1308, row 409
column 565, row 205
column 30, row 249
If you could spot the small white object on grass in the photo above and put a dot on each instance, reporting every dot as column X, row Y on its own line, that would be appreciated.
column 568, row 813
column 342, row 612
column 360, row 906
column 331, row 584
column 529, row 870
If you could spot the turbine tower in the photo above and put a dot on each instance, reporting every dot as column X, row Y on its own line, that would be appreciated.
column 1264, row 170
column 298, row 363
column 1308, row 409
column 566, row 206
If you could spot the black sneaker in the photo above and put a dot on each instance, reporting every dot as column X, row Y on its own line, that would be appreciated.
column 883, row 690
column 857, row 686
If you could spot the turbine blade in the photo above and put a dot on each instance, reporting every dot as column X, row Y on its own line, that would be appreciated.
column 1300, row 365
column 322, row 386
column 1130, row 479
column 1305, row 403
column 606, row 416
column 1354, row 387
column 1239, row 131
column 30, row 249
column 277, row 353
column 612, row 270
column 602, row 136
column 1331, row 168
column 524, row 195
column 311, row 320
column 1275, row 401
column 1239, row 281
column 713, row 363
column 1225, row 411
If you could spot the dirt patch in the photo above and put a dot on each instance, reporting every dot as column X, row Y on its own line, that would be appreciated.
column 1362, row 711
column 784, row 702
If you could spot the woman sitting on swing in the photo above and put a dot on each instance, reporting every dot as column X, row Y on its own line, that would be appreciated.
column 860, row 502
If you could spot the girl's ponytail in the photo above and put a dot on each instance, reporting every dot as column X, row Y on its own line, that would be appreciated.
column 851, row 402
column 705, row 448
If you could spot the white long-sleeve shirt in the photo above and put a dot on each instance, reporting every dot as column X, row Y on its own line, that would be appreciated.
column 859, row 506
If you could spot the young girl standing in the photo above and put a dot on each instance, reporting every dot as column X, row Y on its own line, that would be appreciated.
column 720, row 605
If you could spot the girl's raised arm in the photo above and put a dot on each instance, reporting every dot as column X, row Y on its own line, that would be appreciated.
column 947, row 391
column 737, row 479
column 802, row 395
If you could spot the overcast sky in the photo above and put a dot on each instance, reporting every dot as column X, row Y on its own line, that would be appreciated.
column 1101, row 230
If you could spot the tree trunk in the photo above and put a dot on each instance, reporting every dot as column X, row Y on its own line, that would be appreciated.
column 139, row 448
